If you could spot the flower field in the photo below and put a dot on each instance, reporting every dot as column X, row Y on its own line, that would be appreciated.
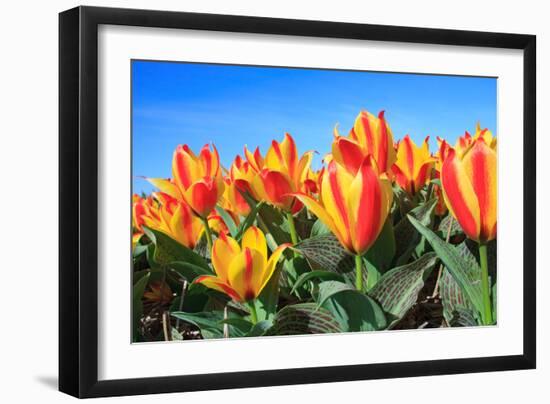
column 386, row 235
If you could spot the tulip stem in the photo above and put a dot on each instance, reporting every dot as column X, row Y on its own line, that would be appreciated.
column 485, row 284
column 359, row 273
column 208, row 233
column 293, row 234
column 253, row 313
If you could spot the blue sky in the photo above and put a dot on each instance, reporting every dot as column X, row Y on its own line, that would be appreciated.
column 177, row 103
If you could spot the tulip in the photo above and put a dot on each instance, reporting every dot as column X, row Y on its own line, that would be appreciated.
column 142, row 207
column 413, row 166
column 353, row 206
column 282, row 173
column 369, row 135
column 241, row 271
column 170, row 216
column 470, row 190
column 197, row 180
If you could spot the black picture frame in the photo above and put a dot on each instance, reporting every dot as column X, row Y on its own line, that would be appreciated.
column 78, row 196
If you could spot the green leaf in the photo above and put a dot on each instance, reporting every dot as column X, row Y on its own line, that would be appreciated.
column 397, row 290
column 303, row 318
column 168, row 250
column 249, row 221
column 187, row 270
column 319, row 228
column 137, row 305
column 325, row 252
column 353, row 310
column 381, row 253
column 238, row 327
column 462, row 317
column 461, row 267
column 208, row 322
column 373, row 274
column 453, row 300
column 260, row 328
column 321, row 275
column 403, row 200
column 228, row 220
column 266, row 302
column 406, row 236
column 447, row 221
column 276, row 223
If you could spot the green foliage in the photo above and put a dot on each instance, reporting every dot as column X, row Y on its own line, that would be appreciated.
column 406, row 236
column 324, row 252
column 353, row 310
column 461, row 264
column 397, row 290
column 228, row 220
column 167, row 250
column 137, row 305
column 304, row 318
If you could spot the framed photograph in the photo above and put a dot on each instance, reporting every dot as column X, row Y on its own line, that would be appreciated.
column 251, row 201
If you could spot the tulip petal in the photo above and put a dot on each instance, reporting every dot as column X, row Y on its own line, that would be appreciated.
column 480, row 164
column 224, row 250
column 347, row 153
column 166, row 186
column 368, row 207
column 246, row 272
column 202, row 196
column 184, row 226
column 271, row 265
column 290, row 155
column 254, row 239
column 322, row 214
column 184, row 167
column 215, row 283
column 336, row 185
column 276, row 187
column 460, row 196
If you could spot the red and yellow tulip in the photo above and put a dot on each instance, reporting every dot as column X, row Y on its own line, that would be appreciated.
column 413, row 167
column 469, row 184
column 354, row 206
column 369, row 135
column 170, row 216
column 197, row 180
column 141, row 208
column 242, row 271
column 282, row 174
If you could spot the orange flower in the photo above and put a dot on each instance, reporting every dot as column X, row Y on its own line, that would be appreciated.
column 241, row 271
column 369, row 135
column 141, row 208
column 470, row 188
column 282, row 174
column 354, row 206
column 197, row 180
column 172, row 217
column 413, row 166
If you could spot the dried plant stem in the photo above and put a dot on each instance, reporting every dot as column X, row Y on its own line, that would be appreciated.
column 166, row 325
column 180, row 305
column 225, row 325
